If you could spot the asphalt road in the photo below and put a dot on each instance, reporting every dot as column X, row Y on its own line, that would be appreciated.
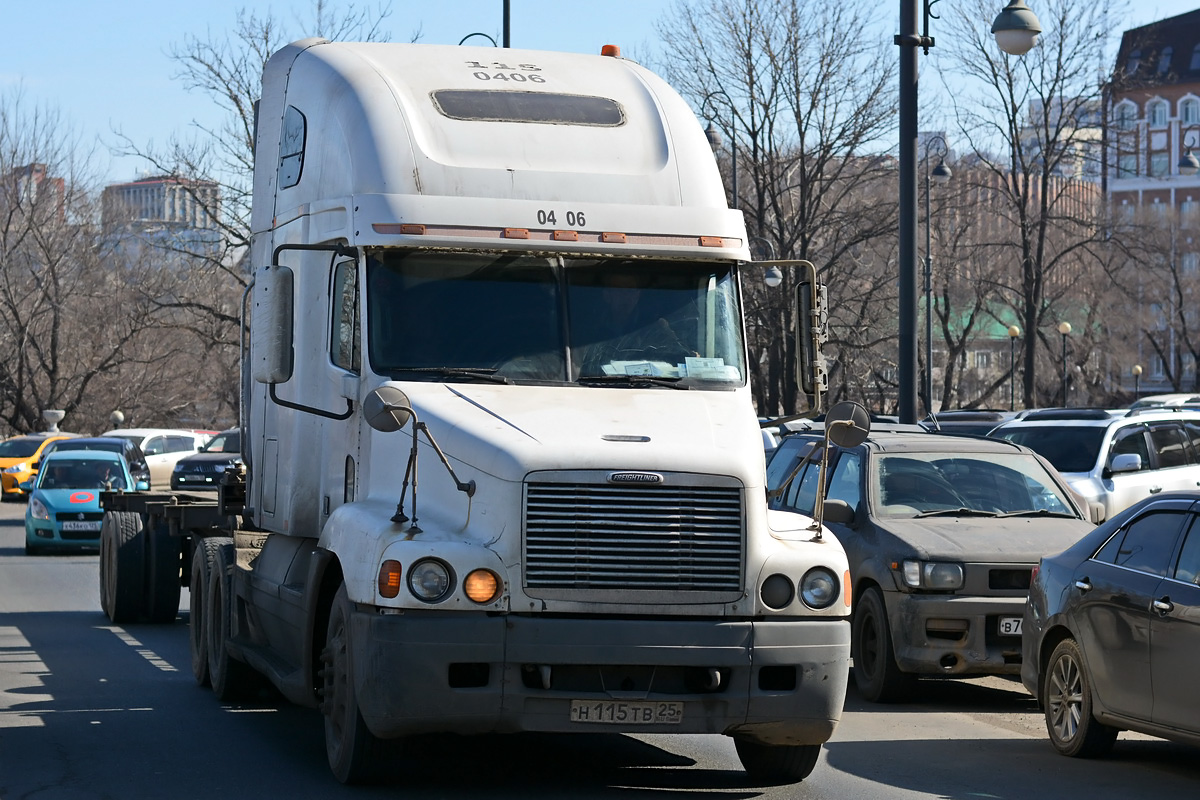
column 92, row 710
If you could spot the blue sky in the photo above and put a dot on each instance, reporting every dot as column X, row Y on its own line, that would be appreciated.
column 103, row 65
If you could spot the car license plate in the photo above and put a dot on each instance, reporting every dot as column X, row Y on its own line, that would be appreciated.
column 75, row 525
column 626, row 712
column 1010, row 626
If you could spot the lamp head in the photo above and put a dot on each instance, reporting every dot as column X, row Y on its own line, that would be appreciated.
column 1013, row 331
column 713, row 135
column 1064, row 328
column 1189, row 164
column 1016, row 28
column 941, row 173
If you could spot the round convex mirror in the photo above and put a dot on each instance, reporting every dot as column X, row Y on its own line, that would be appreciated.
column 847, row 424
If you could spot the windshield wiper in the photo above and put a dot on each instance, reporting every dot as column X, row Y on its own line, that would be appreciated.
column 636, row 380
column 957, row 512
column 1037, row 512
column 480, row 373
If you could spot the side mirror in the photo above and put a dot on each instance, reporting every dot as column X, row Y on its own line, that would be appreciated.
column 387, row 409
column 1126, row 462
column 838, row 511
column 812, row 331
column 142, row 486
column 271, row 341
column 1096, row 512
column 26, row 486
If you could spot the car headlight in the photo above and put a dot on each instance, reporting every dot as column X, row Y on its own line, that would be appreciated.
column 818, row 588
column 933, row 575
column 37, row 509
column 17, row 467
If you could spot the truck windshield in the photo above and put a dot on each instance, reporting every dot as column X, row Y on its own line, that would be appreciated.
column 433, row 316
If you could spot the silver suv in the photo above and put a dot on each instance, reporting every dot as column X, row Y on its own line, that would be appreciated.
column 1114, row 458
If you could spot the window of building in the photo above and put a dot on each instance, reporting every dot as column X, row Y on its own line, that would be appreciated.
column 1195, row 58
column 1127, row 165
column 1160, row 164
column 1189, row 263
column 1164, row 60
column 1156, row 113
column 983, row 359
column 1125, row 116
column 1189, row 111
column 1135, row 61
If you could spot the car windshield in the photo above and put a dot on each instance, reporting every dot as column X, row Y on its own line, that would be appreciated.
column 227, row 442
column 505, row 318
column 19, row 448
column 85, row 444
column 1071, row 448
column 988, row 484
column 82, row 475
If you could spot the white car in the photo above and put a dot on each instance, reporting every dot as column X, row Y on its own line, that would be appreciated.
column 163, row 447
column 1115, row 459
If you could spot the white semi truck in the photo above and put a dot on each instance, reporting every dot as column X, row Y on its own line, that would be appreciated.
column 503, row 471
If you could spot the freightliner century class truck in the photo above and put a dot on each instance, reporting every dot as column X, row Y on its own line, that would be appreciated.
column 502, row 468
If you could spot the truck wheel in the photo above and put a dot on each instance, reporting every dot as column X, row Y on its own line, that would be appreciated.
column 777, row 764
column 203, row 556
column 355, row 754
column 231, row 679
column 162, row 578
column 878, row 678
column 1067, row 698
column 122, row 561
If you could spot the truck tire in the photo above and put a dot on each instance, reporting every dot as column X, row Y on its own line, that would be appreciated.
column 356, row 756
column 773, row 765
column 876, row 674
column 203, row 556
column 122, row 565
column 231, row 679
column 165, row 554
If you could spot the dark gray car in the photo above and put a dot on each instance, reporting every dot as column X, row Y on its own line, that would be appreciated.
column 942, row 534
column 1112, row 629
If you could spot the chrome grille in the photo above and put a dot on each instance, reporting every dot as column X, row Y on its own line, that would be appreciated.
column 627, row 537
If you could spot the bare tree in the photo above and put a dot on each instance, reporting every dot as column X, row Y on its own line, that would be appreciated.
column 1033, row 125
column 801, row 94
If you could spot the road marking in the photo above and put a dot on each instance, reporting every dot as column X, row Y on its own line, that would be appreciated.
column 151, row 656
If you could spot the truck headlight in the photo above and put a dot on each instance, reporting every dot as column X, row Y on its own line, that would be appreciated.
column 429, row 580
column 818, row 588
column 932, row 575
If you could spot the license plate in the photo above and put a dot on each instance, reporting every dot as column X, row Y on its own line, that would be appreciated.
column 1010, row 626
column 75, row 525
column 626, row 713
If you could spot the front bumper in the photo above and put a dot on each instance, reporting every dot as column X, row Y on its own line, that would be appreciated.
column 46, row 535
column 952, row 635
column 776, row 682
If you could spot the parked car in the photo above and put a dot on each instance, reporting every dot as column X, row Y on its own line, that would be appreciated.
column 132, row 454
column 1161, row 400
column 942, row 534
column 204, row 469
column 1115, row 458
column 973, row 422
column 17, row 456
column 64, row 502
column 1111, row 632
column 163, row 447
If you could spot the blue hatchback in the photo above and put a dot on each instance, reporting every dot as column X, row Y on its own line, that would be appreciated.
column 64, row 503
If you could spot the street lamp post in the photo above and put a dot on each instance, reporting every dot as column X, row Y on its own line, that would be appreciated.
column 1016, row 29
column 939, row 174
column 1137, row 380
column 714, row 138
column 1013, row 333
column 1064, row 328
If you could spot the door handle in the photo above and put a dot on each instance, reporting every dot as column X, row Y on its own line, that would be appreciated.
column 1155, row 489
column 1163, row 605
column 1084, row 585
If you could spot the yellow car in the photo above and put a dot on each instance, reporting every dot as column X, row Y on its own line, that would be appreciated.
column 18, row 457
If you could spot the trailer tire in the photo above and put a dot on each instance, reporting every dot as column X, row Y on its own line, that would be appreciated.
column 777, row 764
column 203, row 555
column 231, row 679
column 356, row 756
column 122, row 565
column 163, row 571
